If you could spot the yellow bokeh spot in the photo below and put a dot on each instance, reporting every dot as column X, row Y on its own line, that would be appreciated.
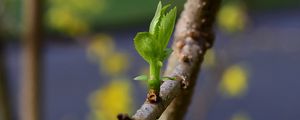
column 234, row 81
column 240, row 116
column 210, row 58
column 111, row 100
column 73, row 17
column 115, row 64
column 101, row 45
column 232, row 18
column 101, row 50
column 65, row 21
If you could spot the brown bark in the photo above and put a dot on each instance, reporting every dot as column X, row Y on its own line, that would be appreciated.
column 30, row 99
column 197, row 22
column 193, row 36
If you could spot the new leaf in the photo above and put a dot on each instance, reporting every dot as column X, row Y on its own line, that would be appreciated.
column 152, row 45
column 144, row 43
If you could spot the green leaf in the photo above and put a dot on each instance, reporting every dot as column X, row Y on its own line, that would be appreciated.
column 144, row 44
column 166, row 27
column 141, row 77
column 168, row 78
column 152, row 45
column 155, row 19
column 166, row 54
column 161, row 28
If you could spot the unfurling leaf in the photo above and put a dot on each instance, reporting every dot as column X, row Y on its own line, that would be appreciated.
column 166, row 27
column 155, row 19
column 141, row 77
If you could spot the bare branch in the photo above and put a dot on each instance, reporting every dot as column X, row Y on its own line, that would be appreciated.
column 196, row 21
column 30, row 98
column 193, row 36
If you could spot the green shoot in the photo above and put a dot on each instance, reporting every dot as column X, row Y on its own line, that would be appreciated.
column 152, row 45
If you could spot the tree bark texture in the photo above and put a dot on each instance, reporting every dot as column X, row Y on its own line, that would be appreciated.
column 30, row 99
column 197, row 23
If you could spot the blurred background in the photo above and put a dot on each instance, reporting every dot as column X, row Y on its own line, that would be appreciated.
column 88, row 60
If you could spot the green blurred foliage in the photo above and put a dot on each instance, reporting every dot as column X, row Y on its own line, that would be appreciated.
column 10, row 15
column 73, row 17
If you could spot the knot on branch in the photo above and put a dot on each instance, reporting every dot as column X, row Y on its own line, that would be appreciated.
column 209, row 38
column 184, row 81
column 185, row 48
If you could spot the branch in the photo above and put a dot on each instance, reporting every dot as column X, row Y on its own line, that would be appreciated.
column 193, row 36
column 30, row 99
column 197, row 21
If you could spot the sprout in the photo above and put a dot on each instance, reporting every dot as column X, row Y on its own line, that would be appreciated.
column 152, row 45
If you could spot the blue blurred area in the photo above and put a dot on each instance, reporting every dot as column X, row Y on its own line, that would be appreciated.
column 270, row 48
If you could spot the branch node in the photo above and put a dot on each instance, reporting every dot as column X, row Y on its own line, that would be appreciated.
column 184, row 84
column 183, row 80
column 153, row 96
column 184, row 58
